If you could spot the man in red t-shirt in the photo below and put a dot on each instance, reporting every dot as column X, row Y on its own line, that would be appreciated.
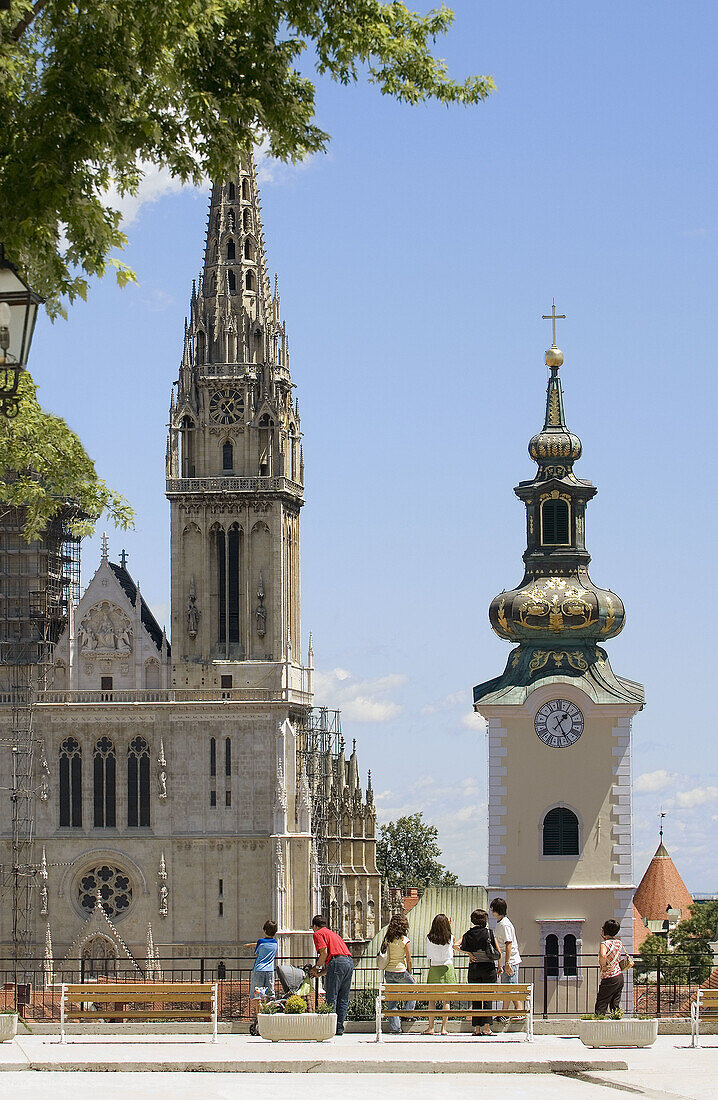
column 333, row 954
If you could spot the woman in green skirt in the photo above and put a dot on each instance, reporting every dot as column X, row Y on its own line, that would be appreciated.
column 440, row 956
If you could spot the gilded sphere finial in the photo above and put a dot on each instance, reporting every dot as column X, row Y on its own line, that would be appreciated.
column 554, row 356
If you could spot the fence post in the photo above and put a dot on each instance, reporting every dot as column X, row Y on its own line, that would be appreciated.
column 201, row 970
column 545, row 988
column 658, row 986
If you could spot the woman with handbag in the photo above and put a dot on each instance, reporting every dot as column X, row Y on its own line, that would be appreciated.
column 613, row 960
column 394, row 959
column 483, row 951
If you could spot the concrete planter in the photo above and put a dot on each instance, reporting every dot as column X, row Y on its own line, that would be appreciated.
column 8, row 1026
column 617, row 1033
column 300, row 1026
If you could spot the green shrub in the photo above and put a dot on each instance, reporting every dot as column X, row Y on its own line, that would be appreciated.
column 362, row 1005
column 295, row 1005
column 323, row 1009
column 270, row 1008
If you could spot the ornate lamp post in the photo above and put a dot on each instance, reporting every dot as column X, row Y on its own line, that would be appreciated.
column 18, row 313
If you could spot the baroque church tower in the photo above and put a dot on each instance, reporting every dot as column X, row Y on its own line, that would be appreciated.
column 234, row 466
column 559, row 724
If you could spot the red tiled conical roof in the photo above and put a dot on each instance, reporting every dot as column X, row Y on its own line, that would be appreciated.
column 662, row 888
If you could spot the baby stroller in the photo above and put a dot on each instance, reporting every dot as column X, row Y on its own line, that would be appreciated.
column 293, row 981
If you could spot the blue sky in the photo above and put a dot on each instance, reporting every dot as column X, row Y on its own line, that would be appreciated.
column 415, row 261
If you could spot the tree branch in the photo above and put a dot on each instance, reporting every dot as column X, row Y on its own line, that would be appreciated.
column 25, row 22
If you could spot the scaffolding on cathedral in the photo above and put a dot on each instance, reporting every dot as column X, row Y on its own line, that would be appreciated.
column 38, row 582
column 319, row 745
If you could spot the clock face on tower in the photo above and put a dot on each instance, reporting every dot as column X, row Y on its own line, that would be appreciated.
column 226, row 406
column 559, row 723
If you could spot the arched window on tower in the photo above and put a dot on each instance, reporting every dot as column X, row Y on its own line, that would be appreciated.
column 228, row 756
column 230, row 250
column 71, row 783
column 230, row 192
column 551, row 963
column 249, row 280
column 246, row 220
column 212, row 756
column 231, row 282
column 215, row 251
column 555, row 523
column 245, row 189
column 293, row 454
column 265, row 447
column 187, row 429
column 560, row 832
column 104, row 773
column 227, row 456
column 138, row 783
column 248, row 249
column 201, row 347
column 213, row 285
column 570, row 956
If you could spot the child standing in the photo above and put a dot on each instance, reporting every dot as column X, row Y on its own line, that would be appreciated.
column 265, row 952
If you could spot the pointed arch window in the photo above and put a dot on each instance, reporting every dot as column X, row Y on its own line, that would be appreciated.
column 246, row 220
column 230, row 192
column 138, row 783
column 258, row 347
column 560, row 832
column 230, row 250
column 227, row 456
column 245, row 189
column 231, row 282
column 249, row 280
column 555, row 523
column 213, row 285
column 187, row 429
column 215, row 250
column 104, row 776
column 201, row 347
column 71, row 783
column 570, row 956
column 213, row 756
column 228, row 756
column 248, row 249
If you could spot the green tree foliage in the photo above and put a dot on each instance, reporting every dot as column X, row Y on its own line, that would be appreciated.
column 43, row 466
column 407, row 854
column 684, row 954
column 90, row 92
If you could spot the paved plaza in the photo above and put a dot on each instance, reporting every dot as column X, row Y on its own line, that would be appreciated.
column 412, row 1067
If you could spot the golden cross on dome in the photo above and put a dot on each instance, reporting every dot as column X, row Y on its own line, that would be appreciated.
column 553, row 317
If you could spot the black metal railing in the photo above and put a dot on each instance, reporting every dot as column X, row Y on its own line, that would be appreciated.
column 663, row 986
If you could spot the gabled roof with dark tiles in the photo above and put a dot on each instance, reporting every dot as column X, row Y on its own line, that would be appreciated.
column 148, row 620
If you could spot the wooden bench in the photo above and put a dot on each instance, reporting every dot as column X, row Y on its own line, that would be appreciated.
column 705, row 1007
column 487, row 992
column 104, row 1000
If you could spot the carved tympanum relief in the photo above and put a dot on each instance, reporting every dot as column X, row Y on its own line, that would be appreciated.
column 105, row 630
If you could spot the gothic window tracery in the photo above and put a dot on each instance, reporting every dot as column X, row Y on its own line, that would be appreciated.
column 104, row 775
column 232, row 283
column 71, row 783
column 114, row 886
column 230, row 192
column 227, row 456
column 201, row 347
column 230, row 249
column 138, row 783
column 245, row 189
column 248, row 248
column 249, row 281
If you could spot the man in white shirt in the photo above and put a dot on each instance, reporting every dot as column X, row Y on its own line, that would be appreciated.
column 510, row 961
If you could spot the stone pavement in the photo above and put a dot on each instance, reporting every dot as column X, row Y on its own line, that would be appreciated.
column 551, row 1066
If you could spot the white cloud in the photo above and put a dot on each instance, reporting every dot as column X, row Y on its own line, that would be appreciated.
column 453, row 699
column 473, row 721
column 652, row 781
column 696, row 797
column 360, row 700
column 155, row 184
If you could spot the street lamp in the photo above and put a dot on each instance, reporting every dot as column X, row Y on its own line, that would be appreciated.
column 18, row 313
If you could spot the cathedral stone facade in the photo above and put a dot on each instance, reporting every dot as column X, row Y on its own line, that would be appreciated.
column 193, row 788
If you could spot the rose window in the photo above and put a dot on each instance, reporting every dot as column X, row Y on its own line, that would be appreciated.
column 115, row 890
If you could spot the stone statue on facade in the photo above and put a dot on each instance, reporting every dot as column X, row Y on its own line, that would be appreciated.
column 261, row 612
column 193, row 612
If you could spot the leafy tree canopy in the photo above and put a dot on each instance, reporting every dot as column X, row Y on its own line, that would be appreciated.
column 43, row 467
column 407, row 854
column 685, row 948
column 89, row 92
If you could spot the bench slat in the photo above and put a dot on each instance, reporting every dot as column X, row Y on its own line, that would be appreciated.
column 141, row 987
column 137, row 1014
column 140, row 998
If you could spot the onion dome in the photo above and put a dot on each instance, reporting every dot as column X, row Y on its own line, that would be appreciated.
column 557, row 603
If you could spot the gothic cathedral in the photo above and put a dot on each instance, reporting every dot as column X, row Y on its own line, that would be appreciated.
column 192, row 787
column 559, row 723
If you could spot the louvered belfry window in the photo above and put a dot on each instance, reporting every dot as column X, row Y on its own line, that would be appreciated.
column 554, row 523
column 560, row 832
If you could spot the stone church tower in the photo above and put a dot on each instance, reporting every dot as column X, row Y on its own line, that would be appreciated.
column 193, row 788
column 559, row 724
